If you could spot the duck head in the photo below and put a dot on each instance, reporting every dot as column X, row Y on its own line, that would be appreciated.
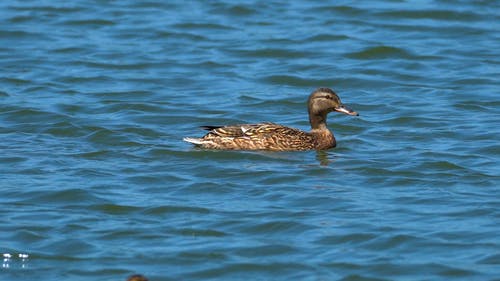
column 323, row 101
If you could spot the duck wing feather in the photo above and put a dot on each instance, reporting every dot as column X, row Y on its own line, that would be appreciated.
column 251, row 130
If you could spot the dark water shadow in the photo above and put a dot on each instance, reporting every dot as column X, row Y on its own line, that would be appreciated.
column 324, row 158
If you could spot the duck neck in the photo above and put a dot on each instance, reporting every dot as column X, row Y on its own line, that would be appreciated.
column 318, row 121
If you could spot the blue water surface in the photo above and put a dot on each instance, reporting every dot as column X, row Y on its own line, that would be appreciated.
column 97, row 184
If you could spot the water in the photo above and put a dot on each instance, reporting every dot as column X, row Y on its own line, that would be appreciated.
column 97, row 184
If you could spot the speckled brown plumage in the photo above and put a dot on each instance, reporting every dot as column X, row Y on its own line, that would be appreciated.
column 270, row 136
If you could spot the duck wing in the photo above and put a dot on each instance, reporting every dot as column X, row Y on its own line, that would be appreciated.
column 249, row 130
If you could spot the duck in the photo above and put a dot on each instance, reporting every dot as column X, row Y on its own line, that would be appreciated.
column 276, row 137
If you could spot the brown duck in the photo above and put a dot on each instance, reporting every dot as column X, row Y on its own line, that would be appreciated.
column 270, row 136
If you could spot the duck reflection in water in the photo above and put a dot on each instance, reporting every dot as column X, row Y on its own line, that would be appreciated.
column 137, row 277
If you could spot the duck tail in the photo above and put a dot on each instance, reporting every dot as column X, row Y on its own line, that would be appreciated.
column 193, row 140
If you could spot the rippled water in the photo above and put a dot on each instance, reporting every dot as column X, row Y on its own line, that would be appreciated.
column 97, row 184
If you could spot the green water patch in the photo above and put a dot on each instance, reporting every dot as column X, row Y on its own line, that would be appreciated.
column 381, row 52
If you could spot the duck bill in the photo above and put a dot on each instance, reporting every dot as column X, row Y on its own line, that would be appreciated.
column 346, row 110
